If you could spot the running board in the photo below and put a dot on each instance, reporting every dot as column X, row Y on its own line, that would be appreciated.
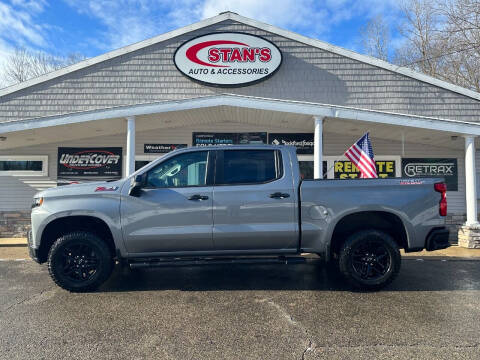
column 216, row 261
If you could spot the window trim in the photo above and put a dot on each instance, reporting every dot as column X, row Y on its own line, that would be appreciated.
column 208, row 180
column 42, row 158
column 278, row 167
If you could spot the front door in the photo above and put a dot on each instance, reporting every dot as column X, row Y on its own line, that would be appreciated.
column 174, row 210
column 254, row 206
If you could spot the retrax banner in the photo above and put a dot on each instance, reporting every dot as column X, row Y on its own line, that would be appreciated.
column 81, row 163
column 445, row 168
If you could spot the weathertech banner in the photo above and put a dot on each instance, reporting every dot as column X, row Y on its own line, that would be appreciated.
column 161, row 148
column 88, row 163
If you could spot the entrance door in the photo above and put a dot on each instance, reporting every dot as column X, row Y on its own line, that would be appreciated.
column 174, row 210
column 254, row 202
column 306, row 166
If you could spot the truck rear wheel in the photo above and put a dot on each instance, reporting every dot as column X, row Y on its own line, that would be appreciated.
column 370, row 259
column 79, row 262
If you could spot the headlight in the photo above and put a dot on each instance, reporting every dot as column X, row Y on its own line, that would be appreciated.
column 37, row 202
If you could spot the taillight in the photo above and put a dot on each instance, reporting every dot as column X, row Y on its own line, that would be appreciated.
column 442, row 206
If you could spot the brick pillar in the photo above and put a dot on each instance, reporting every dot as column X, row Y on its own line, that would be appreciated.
column 469, row 236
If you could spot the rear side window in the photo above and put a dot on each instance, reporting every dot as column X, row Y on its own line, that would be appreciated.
column 248, row 167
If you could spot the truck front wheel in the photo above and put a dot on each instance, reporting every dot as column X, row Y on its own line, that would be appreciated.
column 369, row 259
column 79, row 261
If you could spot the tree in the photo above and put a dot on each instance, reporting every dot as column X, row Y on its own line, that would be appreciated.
column 442, row 39
column 17, row 68
column 462, row 34
column 423, row 46
column 23, row 64
column 375, row 38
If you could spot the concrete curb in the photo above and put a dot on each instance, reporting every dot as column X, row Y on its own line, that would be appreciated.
column 452, row 251
column 13, row 242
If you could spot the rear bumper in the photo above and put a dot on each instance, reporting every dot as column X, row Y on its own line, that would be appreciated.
column 31, row 250
column 437, row 239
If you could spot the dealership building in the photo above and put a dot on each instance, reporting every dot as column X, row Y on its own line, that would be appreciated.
column 234, row 80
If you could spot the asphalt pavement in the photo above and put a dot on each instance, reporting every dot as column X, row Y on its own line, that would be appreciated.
column 243, row 312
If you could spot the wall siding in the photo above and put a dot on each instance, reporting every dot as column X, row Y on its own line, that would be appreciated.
column 307, row 74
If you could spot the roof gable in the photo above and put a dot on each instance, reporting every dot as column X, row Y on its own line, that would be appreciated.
column 254, row 23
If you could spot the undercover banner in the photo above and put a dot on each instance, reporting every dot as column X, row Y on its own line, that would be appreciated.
column 89, row 163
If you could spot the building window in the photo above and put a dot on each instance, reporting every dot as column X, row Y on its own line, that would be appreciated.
column 142, row 160
column 24, row 165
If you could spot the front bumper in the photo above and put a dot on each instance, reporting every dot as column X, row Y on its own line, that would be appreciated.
column 437, row 239
column 31, row 250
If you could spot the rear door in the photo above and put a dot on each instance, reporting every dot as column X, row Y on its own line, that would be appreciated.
column 253, row 201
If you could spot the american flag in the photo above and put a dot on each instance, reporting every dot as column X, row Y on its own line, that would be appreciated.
column 361, row 154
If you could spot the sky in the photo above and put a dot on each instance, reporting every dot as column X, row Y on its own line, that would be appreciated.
column 93, row 27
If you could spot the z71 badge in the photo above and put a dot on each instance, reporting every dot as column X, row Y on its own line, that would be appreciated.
column 106, row 188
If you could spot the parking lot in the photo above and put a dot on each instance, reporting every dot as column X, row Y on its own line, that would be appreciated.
column 255, row 312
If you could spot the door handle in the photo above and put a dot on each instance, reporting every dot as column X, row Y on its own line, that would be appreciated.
column 198, row 197
column 279, row 195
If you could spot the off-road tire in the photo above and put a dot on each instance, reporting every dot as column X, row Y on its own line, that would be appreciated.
column 354, row 245
column 83, row 240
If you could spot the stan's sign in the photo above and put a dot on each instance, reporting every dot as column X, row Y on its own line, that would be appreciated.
column 228, row 59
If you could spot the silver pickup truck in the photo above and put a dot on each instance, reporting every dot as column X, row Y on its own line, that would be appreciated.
column 234, row 204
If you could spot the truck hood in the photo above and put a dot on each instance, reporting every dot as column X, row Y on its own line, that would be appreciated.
column 101, row 187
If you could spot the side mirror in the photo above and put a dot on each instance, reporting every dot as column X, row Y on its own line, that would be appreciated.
column 137, row 184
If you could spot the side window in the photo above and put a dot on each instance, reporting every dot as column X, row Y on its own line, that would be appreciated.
column 189, row 169
column 249, row 166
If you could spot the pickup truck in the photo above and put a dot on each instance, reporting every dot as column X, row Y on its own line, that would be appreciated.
column 242, row 204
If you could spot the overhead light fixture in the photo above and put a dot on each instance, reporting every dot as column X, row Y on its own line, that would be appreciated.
column 3, row 138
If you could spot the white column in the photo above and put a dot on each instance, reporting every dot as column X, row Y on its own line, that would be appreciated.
column 470, row 181
column 318, row 148
column 130, row 161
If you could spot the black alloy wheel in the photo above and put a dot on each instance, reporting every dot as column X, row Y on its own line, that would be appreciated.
column 80, row 261
column 369, row 259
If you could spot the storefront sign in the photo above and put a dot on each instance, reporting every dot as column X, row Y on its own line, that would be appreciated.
column 432, row 167
column 347, row 170
column 302, row 141
column 75, row 163
column 161, row 148
column 209, row 139
column 228, row 59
